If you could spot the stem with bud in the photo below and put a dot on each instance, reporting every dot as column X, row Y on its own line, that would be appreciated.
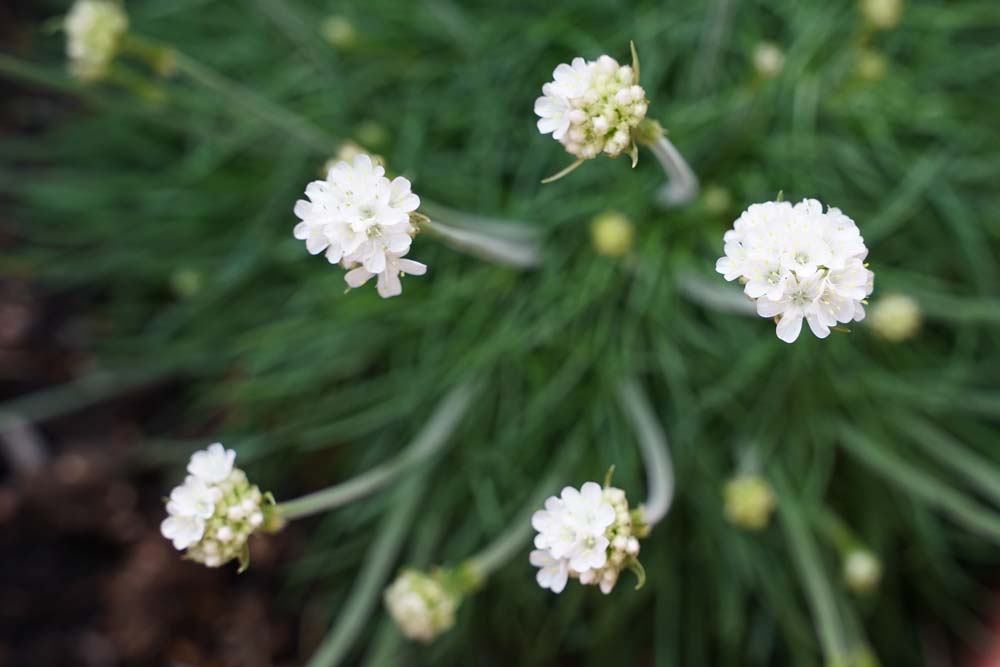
column 655, row 451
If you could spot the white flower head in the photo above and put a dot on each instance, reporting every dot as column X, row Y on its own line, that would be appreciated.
column 800, row 264
column 93, row 30
column 214, row 512
column 586, row 534
column 592, row 107
column 213, row 464
column 422, row 605
column 358, row 217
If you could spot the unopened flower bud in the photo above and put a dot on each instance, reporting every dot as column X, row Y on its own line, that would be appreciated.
column 749, row 502
column 896, row 317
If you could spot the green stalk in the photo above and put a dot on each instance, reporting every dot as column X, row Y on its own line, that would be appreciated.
column 654, row 448
column 917, row 482
column 832, row 634
column 375, row 572
column 498, row 552
column 432, row 437
column 682, row 184
column 244, row 99
column 948, row 451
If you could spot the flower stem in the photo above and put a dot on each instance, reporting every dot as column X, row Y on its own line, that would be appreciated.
column 520, row 254
column 243, row 99
column 654, row 448
column 832, row 633
column 682, row 184
column 433, row 436
column 375, row 572
column 497, row 553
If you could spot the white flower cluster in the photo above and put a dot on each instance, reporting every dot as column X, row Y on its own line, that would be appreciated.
column 361, row 219
column 93, row 30
column 586, row 534
column 592, row 107
column 214, row 512
column 799, row 263
column 421, row 605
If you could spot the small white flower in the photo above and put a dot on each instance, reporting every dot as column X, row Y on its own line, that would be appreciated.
column 592, row 107
column 215, row 511
column 193, row 498
column 388, row 283
column 799, row 263
column 585, row 534
column 213, row 464
column 183, row 530
column 93, row 30
column 360, row 218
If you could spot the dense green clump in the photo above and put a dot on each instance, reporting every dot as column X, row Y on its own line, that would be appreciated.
column 168, row 201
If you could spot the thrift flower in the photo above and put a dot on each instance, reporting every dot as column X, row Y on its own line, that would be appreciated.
column 360, row 218
column 422, row 605
column 882, row 14
column 214, row 512
column 94, row 29
column 862, row 570
column 749, row 502
column 768, row 59
column 587, row 534
column 592, row 107
column 896, row 317
column 799, row 263
column 612, row 234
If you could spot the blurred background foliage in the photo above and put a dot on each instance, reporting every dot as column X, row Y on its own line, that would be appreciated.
column 164, row 203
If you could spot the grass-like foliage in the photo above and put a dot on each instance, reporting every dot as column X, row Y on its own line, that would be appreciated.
column 167, row 202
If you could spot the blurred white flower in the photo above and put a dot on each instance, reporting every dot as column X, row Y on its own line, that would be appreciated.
column 862, row 570
column 183, row 530
column 213, row 464
column 768, row 59
column 882, row 14
column 592, row 107
column 359, row 217
column 799, row 263
column 421, row 604
column 585, row 534
column 896, row 317
column 552, row 572
column 214, row 512
column 93, row 30
column 193, row 498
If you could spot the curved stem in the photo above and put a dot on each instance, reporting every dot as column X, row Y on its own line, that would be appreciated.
column 246, row 100
column 373, row 575
column 654, row 448
column 498, row 552
column 433, row 436
column 682, row 184
column 520, row 254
